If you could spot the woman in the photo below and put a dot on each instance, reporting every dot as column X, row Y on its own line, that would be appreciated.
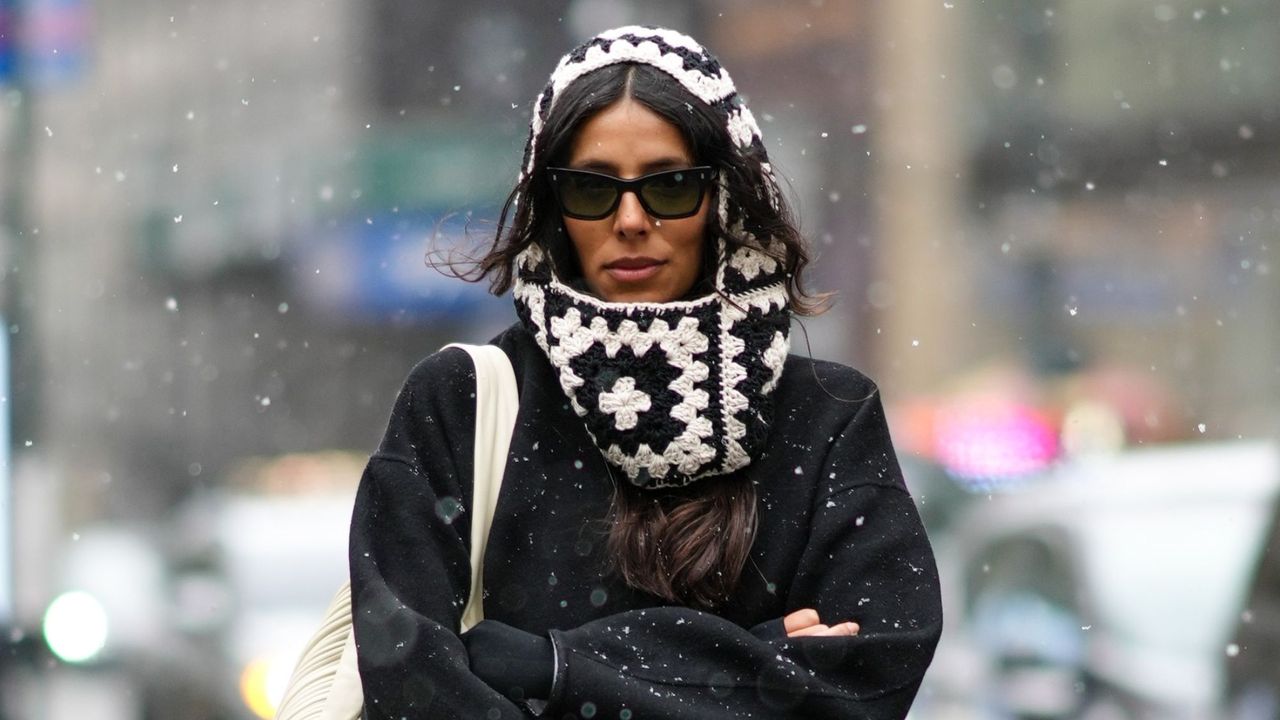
column 692, row 523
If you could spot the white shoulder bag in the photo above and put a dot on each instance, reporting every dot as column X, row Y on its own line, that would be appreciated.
column 325, row 684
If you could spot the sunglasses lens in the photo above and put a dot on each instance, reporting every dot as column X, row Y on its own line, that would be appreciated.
column 592, row 196
column 585, row 195
column 673, row 194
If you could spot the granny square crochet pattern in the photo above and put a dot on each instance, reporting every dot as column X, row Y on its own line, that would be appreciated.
column 677, row 391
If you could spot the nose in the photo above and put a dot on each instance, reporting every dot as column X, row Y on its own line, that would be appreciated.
column 630, row 220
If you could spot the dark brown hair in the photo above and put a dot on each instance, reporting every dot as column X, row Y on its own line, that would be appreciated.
column 688, row 545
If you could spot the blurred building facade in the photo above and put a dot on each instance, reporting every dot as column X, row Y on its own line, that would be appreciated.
column 226, row 207
column 1123, row 197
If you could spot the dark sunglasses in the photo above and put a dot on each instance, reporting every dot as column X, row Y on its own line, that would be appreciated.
column 666, row 195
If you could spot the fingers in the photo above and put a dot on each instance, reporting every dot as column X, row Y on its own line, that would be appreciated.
column 800, row 619
column 844, row 629
column 848, row 629
column 805, row 623
column 810, row 631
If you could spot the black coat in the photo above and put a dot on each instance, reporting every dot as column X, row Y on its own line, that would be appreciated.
column 838, row 532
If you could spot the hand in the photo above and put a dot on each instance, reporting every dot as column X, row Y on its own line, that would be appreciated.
column 516, row 663
column 805, row 623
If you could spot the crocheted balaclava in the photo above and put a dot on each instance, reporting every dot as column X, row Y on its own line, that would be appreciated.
column 677, row 391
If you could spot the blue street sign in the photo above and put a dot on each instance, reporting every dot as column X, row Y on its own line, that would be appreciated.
column 375, row 267
column 46, row 40
column 8, row 40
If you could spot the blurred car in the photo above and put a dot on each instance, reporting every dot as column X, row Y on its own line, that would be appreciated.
column 274, row 544
column 111, row 625
column 1111, row 586
column 203, row 616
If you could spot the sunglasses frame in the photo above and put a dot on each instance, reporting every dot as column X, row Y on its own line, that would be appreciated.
column 704, row 175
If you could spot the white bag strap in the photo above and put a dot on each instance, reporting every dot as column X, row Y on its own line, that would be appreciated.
column 326, row 682
column 497, row 403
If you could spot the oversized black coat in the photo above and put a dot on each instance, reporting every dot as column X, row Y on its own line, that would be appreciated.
column 838, row 532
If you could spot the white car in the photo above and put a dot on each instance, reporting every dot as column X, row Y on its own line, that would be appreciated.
column 1110, row 586
column 282, row 559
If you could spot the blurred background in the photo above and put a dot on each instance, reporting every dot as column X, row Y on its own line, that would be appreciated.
column 1053, row 226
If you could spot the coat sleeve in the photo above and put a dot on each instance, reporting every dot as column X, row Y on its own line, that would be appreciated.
column 410, row 563
column 866, row 559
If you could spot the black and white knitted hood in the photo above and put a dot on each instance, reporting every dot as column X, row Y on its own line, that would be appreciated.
column 670, row 392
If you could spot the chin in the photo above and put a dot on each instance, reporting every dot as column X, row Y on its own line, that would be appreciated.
column 638, row 297
column 657, row 290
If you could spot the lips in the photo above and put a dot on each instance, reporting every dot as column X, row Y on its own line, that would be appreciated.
column 635, row 263
column 633, row 269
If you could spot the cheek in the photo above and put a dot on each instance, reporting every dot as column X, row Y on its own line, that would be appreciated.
column 693, row 240
column 687, row 252
column 581, row 242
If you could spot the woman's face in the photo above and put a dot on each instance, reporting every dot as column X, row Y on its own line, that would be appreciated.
column 630, row 256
